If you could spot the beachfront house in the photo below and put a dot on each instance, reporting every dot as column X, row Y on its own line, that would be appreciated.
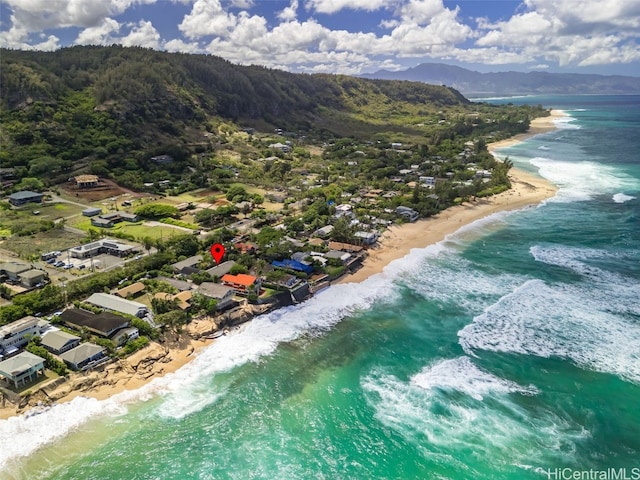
column 84, row 356
column 222, row 294
column 21, row 369
column 16, row 335
column 104, row 324
column 57, row 341
column 242, row 283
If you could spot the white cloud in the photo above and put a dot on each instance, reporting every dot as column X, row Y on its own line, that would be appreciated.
column 289, row 13
column 571, row 32
column 142, row 34
column 102, row 34
column 334, row 6
column 179, row 45
column 207, row 17
column 544, row 32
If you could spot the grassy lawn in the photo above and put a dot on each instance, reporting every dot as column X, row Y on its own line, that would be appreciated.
column 138, row 230
column 42, row 242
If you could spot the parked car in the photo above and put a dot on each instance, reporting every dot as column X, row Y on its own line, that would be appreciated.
column 58, row 264
column 68, row 266
column 51, row 261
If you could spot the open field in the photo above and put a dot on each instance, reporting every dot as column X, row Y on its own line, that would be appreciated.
column 105, row 189
column 42, row 242
column 137, row 230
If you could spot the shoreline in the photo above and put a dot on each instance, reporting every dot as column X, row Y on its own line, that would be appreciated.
column 157, row 360
column 526, row 189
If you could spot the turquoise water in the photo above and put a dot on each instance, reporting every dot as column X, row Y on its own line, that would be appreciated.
column 507, row 351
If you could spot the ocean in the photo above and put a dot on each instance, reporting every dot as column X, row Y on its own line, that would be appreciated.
column 511, row 350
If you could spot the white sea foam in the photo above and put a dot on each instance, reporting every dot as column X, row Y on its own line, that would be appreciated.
column 622, row 198
column 462, row 375
column 566, row 123
column 590, row 322
column 453, row 405
column 581, row 181
column 543, row 147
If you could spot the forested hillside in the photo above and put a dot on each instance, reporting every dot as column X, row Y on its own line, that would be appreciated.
column 108, row 110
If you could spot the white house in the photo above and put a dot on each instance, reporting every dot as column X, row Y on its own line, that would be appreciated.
column 22, row 368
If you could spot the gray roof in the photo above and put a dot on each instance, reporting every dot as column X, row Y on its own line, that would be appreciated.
column 179, row 284
column 187, row 262
column 24, row 194
column 111, row 302
column 14, row 267
column 18, row 326
column 57, row 339
column 18, row 364
column 214, row 290
column 81, row 353
column 222, row 269
column 33, row 273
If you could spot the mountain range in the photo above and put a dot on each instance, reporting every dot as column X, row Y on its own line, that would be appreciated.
column 473, row 83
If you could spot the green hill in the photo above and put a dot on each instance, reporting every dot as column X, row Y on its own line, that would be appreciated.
column 108, row 110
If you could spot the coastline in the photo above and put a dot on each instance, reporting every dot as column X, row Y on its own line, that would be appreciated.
column 157, row 360
column 526, row 189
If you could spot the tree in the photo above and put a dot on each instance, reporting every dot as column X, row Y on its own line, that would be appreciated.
column 156, row 211
column 173, row 320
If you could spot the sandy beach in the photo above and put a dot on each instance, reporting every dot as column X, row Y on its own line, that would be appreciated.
column 157, row 360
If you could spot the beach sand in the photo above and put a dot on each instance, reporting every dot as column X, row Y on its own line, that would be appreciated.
column 159, row 359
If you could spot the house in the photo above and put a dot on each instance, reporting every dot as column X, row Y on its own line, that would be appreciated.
column 179, row 284
column 103, row 324
column 222, row 294
column 22, row 368
column 102, row 222
column 345, row 247
column 324, row 232
column 188, row 265
column 25, row 196
column 108, row 220
column 338, row 255
column 117, row 304
column 109, row 246
column 86, row 181
column 58, row 342
column 409, row 213
column 31, row 278
column 17, row 334
column 91, row 212
column 122, row 336
column 367, row 238
column 222, row 269
column 242, row 282
column 84, row 356
column 293, row 265
column 12, row 270
column 245, row 247
column 131, row 290
column 182, row 299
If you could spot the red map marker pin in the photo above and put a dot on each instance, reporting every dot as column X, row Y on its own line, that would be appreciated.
column 217, row 252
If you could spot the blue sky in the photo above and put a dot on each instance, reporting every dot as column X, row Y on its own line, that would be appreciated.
column 347, row 36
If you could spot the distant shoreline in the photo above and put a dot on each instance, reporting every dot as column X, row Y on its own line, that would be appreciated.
column 526, row 189
column 157, row 360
